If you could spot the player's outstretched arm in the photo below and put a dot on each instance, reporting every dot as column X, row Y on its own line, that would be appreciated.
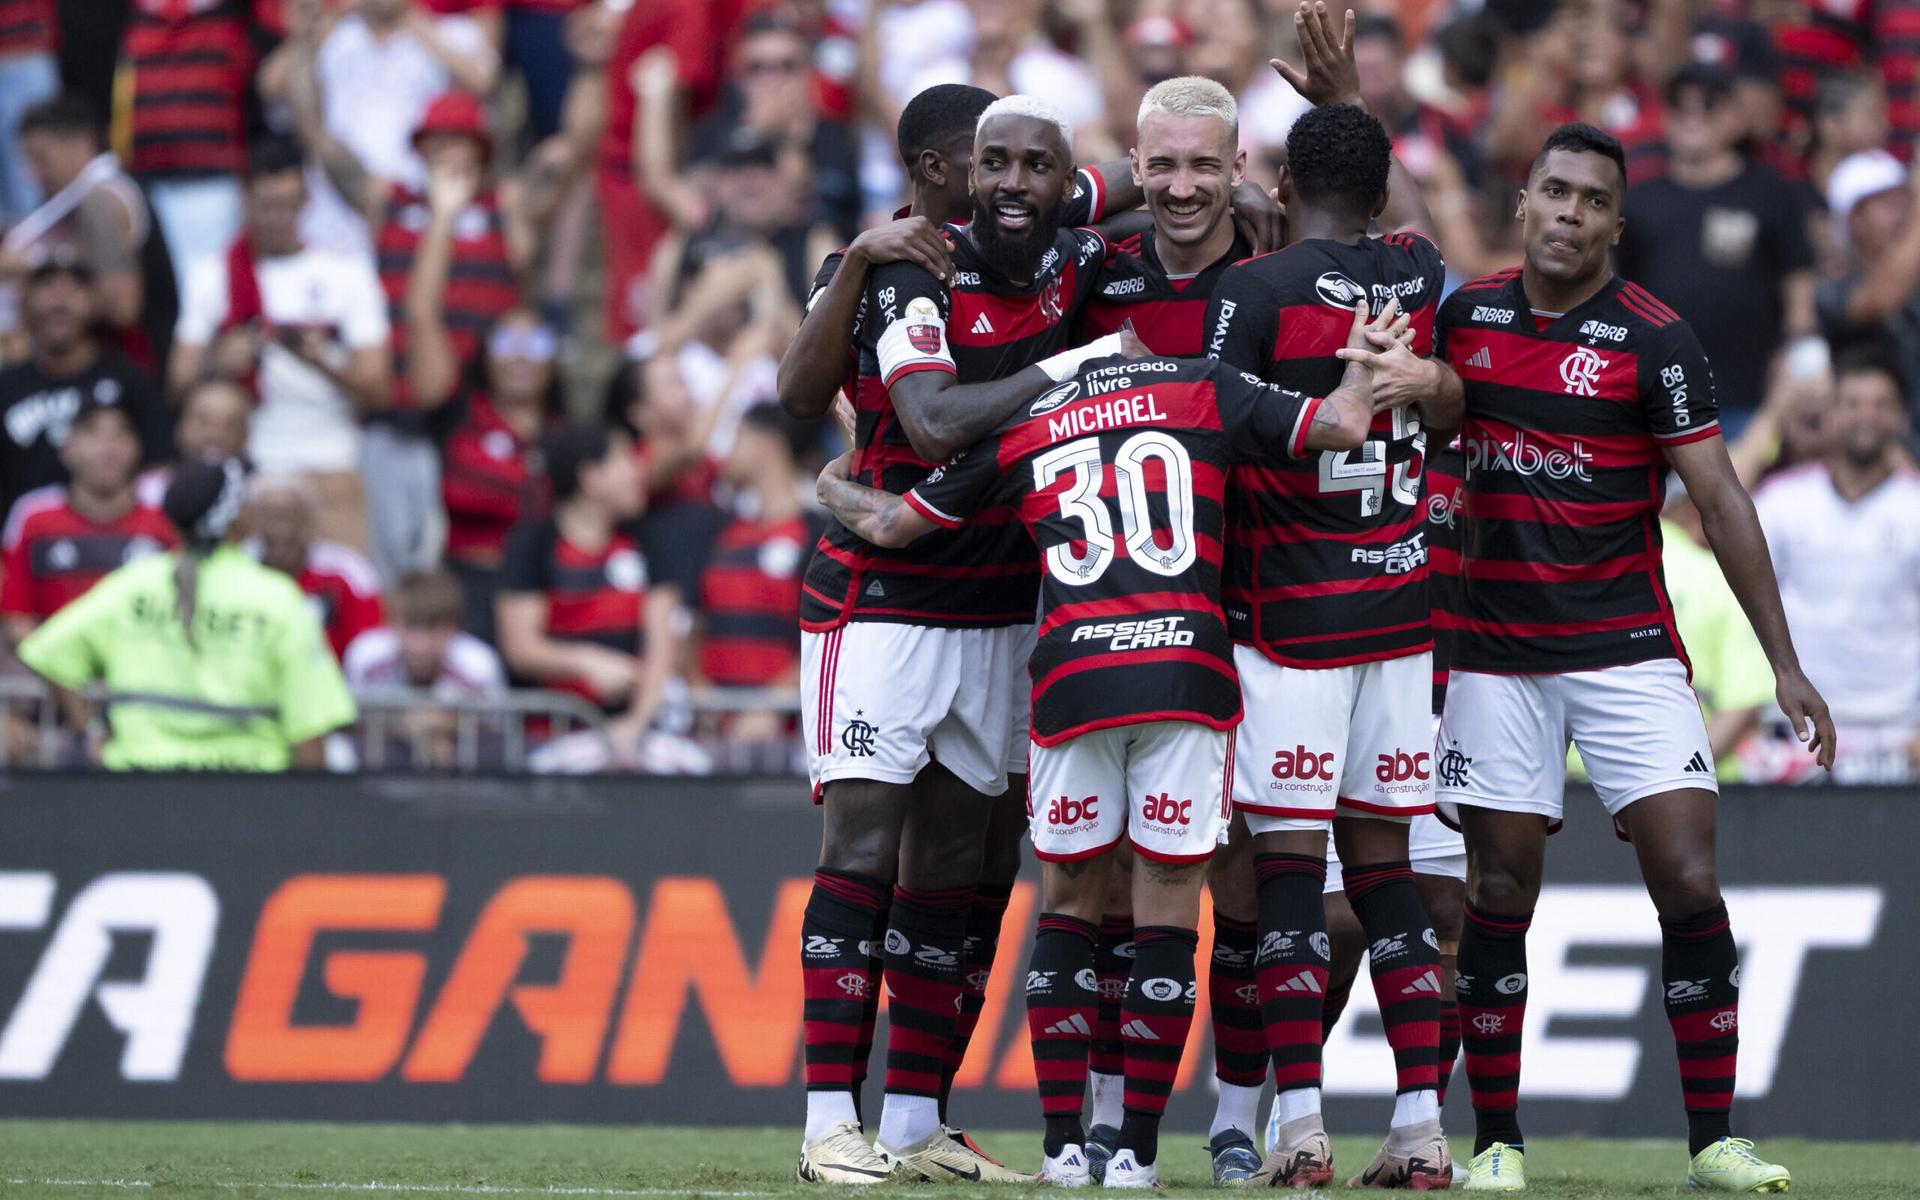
column 815, row 364
column 1733, row 531
column 881, row 518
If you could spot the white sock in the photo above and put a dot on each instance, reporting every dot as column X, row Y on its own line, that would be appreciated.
column 905, row 1120
column 1416, row 1108
column 1295, row 1103
column 1109, row 1098
column 827, row 1109
column 1237, row 1108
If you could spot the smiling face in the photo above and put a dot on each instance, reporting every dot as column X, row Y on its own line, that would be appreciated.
column 1021, row 169
column 1187, row 167
column 1570, row 215
column 1869, row 415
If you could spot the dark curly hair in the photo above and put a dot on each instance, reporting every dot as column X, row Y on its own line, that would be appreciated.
column 1339, row 155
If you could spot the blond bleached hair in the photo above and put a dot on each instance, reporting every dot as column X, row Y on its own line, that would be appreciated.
column 1190, row 96
column 1019, row 105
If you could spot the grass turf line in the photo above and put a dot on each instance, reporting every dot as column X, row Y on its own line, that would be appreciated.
column 67, row 1160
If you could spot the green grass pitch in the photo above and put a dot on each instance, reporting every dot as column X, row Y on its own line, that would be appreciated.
column 69, row 1160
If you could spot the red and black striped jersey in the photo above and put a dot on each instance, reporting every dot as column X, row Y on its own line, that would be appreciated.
column 592, row 595
column 750, row 601
column 1894, row 35
column 1567, row 422
column 54, row 554
column 1445, row 471
column 985, row 575
column 481, row 285
column 27, row 27
column 1167, row 311
column 1121, row 474
column 489, row 482
column 1327, row 560
column 191, row 67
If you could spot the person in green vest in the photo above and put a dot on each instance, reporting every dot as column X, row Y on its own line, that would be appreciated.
column 211, row 661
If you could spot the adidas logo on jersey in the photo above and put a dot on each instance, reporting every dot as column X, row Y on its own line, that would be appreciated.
column 982, row 325
column 1697, row 765
column 1073, row 1025
column 1481, row 358
column 1138, row 1031
column 874, row 589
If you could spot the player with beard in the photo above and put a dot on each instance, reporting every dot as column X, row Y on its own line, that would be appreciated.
column 1582, row 391
column 1326, row 594
column 911, row 659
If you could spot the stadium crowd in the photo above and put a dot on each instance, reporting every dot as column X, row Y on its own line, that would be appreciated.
column 491, row 295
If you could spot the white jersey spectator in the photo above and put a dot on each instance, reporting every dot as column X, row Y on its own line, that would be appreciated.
column 467, row 669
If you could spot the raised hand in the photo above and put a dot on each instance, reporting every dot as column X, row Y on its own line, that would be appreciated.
column 1327, row 74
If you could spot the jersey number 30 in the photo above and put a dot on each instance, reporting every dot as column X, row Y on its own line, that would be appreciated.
column 1081, row 501
column 1365, row 470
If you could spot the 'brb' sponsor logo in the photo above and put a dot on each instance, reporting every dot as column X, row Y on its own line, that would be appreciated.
column 1493, row 316
column 1068, row 811
column 1124, row 287
column 1601, row 331
column 1485, row 452
column 1137, row 635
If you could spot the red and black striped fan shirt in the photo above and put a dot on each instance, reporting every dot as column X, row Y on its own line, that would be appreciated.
column 750, row 599
column 1121, row 474
column 1328, row 558
column 1567, row 421
column 27, row 27
column 56, row 554
column 592, row 595
column 982, row 576
column 191, row 67
column 481, row 285
column 1168, row 311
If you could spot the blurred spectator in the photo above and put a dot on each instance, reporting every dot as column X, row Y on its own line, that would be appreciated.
column 1419, row 132
column 681, row 72
column 1878, row 298
column 89, row 47
column 233, row 678
column 423, row 648
column 1849, row 117
column 308, row 325
column 834, row 48
column 96, row 209
column 490, row 478
column 672, row 439
column 66, row 370
column 181, row 107
column 750, row 591
column 1229, row 44
column 575, row 612
column 1846, row 546
column 337, row 580
column 214, row 416
column 1009, row 54
column 60, row 541
column 28, row 75
column 1580, row 67
column 1722, row 241
column 376, row 67
column 424, row 651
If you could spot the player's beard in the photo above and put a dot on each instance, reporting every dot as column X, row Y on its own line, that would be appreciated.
column 1016, row 255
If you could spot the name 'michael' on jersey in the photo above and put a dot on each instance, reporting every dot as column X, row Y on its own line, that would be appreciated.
column 984, row 575
column 1168, row 311
column 1567, row 421
column 1121, row 474
column 1327, row 558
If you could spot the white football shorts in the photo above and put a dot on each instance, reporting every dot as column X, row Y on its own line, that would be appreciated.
column 879, row 700
column 1166, row 786
column 1503, row 738
column 1355, row 740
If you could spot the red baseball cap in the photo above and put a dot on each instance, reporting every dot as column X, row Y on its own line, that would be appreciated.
column 455, row 112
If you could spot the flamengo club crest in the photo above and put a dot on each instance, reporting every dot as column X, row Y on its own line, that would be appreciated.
column 1580, row 371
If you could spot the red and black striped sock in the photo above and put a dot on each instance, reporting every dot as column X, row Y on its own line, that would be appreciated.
column 1233, row 994
column 1449, row 1042
column 976, row 968
column 1291, row 964
column 1112, row 962
column 845, row 918
column 1492, row 988
column 1404, row 958
column 1062, row 1000
column 870, row 1012
column 1155, row 1018
column 925, row 935
column 1701, row 967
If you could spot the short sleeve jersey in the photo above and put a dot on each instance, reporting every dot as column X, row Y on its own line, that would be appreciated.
column 1168, row 311
column 593, row 596
column 1121, row 475
column 257, row 678
column 55, row 554
column 1328, row 555
column 1567, row 422
column 982, row 576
